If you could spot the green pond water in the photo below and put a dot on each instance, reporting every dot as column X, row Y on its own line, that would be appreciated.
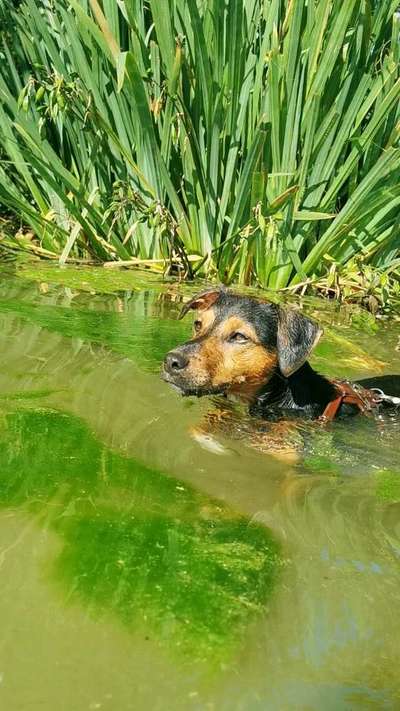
column 142, row 568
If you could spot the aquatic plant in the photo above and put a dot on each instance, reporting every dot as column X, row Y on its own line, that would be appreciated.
column 256, row 140
column 137, row 544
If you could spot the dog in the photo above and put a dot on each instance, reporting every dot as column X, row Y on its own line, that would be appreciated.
column 258, row 351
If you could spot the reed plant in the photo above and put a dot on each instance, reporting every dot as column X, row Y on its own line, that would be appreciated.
column 253, row 140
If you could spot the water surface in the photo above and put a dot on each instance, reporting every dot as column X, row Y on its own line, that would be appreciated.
column 143, row 568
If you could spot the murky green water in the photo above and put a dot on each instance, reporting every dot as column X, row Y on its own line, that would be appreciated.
column 142, row 569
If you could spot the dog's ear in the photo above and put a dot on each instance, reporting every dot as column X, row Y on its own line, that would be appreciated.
column 296, row 337
column 201, row 302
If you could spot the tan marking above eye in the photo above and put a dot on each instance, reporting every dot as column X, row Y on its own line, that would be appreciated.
column 233, row 325
column 201, row 325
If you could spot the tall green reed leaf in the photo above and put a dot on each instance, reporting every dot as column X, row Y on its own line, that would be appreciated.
column 142, row 129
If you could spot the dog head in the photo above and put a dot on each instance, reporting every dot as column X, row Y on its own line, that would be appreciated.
column 238, row 343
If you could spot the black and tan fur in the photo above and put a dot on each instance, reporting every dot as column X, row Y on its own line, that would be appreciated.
column 257, row 351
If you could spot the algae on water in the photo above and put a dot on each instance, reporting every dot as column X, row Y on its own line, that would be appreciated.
column 137, row 544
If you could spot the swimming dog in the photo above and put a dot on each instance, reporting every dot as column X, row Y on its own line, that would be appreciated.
column 258, row 351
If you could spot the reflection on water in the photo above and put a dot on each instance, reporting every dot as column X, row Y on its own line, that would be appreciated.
column 140, row 570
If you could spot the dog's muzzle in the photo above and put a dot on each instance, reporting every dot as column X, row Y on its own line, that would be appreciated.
column 174, row 370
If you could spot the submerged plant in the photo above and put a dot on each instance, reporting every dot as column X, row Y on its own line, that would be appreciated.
column 137, row 544
column 254, row 140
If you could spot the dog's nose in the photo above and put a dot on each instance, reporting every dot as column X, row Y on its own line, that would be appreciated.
column 175, row 361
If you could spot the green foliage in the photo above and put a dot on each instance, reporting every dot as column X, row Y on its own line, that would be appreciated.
column 261, row 136
column 357, row 281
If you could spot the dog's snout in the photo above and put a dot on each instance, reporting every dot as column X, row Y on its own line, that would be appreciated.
column 175, row 361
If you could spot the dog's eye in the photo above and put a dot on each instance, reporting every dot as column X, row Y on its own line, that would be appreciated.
column 197, row 325
column 238, row 337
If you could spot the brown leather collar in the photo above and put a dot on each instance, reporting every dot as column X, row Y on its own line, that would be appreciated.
column 348, row 394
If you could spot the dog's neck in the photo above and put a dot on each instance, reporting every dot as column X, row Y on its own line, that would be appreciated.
column 305, row 391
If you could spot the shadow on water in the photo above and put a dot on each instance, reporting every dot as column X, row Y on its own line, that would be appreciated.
column 137, row 544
